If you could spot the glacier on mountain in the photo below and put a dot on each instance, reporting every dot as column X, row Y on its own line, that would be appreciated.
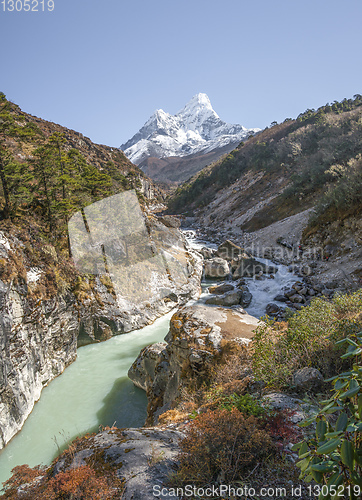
column 197, row 128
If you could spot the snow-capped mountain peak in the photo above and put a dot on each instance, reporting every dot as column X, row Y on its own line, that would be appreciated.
column 199, row 103
column 196, row 128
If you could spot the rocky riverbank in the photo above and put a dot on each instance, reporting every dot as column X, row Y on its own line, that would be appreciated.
column 232, row 265
column 330, row 258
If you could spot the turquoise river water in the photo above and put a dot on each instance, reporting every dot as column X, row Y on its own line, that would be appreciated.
column 92, row 392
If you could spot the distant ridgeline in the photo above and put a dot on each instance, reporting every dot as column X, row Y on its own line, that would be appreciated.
column 48, row 172
column 317, row 157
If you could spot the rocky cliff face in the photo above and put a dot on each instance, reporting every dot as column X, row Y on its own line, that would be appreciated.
column 43, row 316
column 38, row 339
column 113, row 304
column 36, row 346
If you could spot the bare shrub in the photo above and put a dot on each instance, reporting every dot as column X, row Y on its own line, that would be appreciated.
column 222, row 445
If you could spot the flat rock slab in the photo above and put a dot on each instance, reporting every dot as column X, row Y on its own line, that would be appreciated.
column 231, row 323
column 299, row 410
column 237, row 325
column 143, row 458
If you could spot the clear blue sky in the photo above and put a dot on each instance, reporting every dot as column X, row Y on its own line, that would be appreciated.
column 103, row 67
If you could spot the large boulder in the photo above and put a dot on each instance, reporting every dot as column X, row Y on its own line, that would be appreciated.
column 280, row 298
column 143, row 370
column 221, row 289
column 216, row 268
column 229, row 295
column 170, row 221
column 272, row 309
column 229, row 251
column 207, row 253
column 246, row 296
column 231, row 298
column 296, row 298
column 308, row 378
column 250, row 267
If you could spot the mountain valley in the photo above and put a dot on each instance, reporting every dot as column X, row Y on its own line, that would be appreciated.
column 92, row 248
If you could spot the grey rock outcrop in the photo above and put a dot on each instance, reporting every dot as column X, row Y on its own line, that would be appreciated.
column 142, row 458
column 192, row 343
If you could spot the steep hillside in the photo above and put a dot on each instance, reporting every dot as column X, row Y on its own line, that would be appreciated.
column 21, row 134
column 49, row 172
column 283, row 169
column 288, row 167
column 175, row 170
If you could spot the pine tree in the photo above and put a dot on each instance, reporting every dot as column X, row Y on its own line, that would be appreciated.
column 44, row 174
column 14, row 176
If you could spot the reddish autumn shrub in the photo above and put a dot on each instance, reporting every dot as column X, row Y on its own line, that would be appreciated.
column 221, row 445
column 280, row 427
column 82, row 483
column 22, row 475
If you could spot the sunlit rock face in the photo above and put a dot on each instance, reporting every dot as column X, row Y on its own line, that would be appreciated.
column 142, row 261
column 37, row 342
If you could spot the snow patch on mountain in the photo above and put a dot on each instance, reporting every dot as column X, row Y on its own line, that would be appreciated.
column 196, row 128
